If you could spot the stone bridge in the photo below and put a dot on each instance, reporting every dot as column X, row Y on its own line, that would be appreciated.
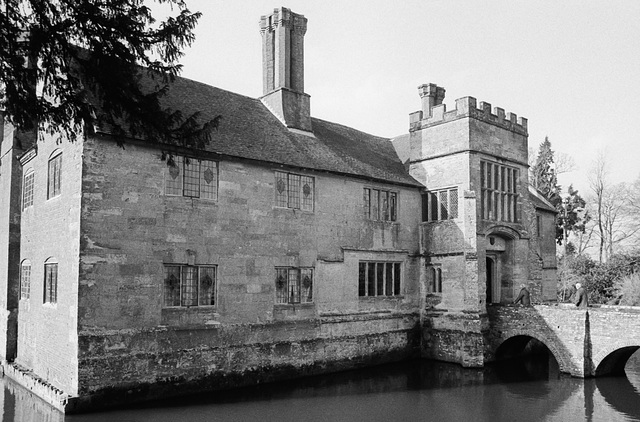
column 585, row 343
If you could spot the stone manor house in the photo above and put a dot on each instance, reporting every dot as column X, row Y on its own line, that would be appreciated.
column 289, row 246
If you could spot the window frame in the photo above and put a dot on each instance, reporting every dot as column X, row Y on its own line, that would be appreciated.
column 50, row 290
column 371, row 286
column 380, row 204
column 54, row 175
column 181, row 296
column 291, row 286
column 187, row 185
column 499, row 192
column 441, row 204
column 28, row 188
column 539, row 227
column 434, row 279
column 25, row 280
column 289, row 191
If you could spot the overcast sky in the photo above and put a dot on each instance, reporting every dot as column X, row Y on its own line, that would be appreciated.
column 572, row 68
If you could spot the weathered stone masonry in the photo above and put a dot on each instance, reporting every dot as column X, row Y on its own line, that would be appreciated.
column 491, row 245
column 130, row 228
column 367, row 240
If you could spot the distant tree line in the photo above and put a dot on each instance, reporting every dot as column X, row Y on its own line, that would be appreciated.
column 599, row 234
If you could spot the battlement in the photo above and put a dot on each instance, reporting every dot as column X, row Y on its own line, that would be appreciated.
column 434, row 112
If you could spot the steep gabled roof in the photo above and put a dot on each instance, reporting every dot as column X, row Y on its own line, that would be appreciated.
column 539, row 201
column 248, row 130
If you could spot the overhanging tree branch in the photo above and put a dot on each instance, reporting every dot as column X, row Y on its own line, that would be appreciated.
column 67, row 65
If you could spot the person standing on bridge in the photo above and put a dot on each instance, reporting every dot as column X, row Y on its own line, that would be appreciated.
column 524, row 297
column 581, row 300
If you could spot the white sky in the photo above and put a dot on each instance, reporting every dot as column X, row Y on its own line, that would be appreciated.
column 572, row 68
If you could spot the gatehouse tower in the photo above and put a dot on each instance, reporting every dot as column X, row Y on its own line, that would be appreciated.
column 481, row 223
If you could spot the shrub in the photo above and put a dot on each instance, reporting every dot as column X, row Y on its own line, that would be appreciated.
column 627, row 290
column 598, row 278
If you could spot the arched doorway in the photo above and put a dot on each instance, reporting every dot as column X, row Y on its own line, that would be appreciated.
column 499, row 268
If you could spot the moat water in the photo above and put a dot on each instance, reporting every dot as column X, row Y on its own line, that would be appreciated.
column 521, row 390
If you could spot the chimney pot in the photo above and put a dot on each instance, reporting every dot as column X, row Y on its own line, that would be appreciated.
column 431, row 95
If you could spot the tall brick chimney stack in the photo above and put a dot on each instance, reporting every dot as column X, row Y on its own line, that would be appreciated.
column 432, row 95
column 283, row 68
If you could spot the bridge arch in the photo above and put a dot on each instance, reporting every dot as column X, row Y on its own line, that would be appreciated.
column 518, row 336
column 612, row 360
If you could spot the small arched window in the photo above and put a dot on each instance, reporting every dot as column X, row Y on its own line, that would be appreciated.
column 50, row 281
column 434, row 279
column 54, row 182
column 25, row 279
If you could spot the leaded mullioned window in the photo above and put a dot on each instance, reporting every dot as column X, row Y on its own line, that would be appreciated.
column 294, row 285
column 294, row 191
column 499, row 192
column 192, row 177
column 380, row 205
column 27, row 189
column 379, row 278
column 440, row 205
column 25, row 279
column 189, row 285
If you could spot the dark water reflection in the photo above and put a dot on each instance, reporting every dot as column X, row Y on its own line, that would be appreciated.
column 523, row 390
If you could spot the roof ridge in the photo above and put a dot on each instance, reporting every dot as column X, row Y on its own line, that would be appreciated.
column 350, row 128
column 257, row 99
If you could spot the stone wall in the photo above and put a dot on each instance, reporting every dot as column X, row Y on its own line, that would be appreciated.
column 119, row 367
column 454, row 337
column 10, row 194
column 47, row 332
column 130, row 229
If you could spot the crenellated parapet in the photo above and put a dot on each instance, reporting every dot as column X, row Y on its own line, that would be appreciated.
column 434, row 112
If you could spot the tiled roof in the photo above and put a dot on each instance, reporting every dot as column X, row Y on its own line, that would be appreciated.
column 401, row 145
column 248, row 130
column 539, row 201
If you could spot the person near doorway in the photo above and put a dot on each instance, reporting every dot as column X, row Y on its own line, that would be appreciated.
column 524, row 297
column 581, row 300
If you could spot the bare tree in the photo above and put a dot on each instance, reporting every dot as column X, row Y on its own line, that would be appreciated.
column 619, row 225
column 583, row 239
column 564, row 163
column 632, row 207
column 598, row 184
column 616, row 206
